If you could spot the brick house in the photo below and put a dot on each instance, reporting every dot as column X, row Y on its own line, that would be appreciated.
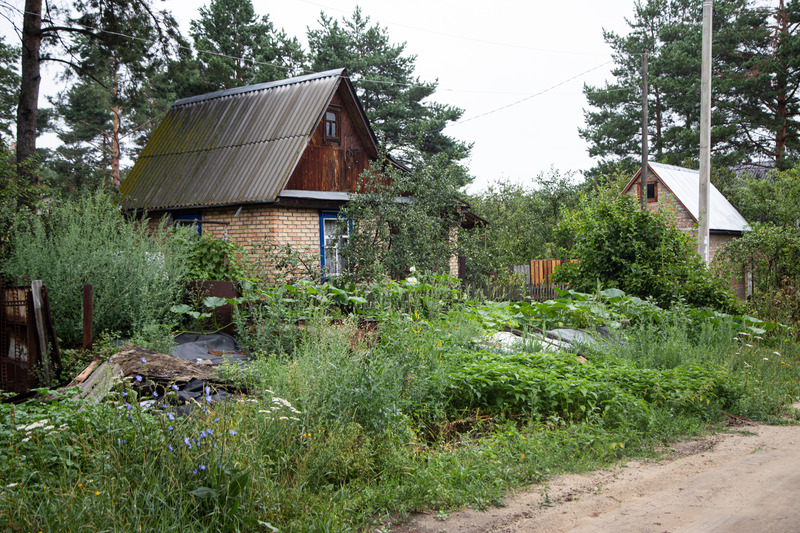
column 679, row 189
column 264, row 165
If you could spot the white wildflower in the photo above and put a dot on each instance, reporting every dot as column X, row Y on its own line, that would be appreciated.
column 412, row 281
column 766, row 359
column 749, row 345
column 777, row 353
column 412, row 269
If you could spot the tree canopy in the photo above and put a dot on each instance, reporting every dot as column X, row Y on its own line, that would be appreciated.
column 756, row 77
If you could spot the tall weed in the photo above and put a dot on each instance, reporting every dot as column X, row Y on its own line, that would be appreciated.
column 136, row 277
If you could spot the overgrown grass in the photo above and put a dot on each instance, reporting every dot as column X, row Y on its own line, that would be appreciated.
column 358, row 423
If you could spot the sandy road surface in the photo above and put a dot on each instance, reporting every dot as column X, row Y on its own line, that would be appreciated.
column 747, row 480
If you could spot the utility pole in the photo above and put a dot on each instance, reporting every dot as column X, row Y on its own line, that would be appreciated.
column 645, row 154
column 705, row 133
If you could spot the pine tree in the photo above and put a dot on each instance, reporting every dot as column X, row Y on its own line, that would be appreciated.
column 111, row 64
column 235, row 48
column 754, row 71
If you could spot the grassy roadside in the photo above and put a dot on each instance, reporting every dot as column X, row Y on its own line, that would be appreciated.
column 350, row 430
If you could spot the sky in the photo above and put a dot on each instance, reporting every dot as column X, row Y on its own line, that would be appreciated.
column 516, row 67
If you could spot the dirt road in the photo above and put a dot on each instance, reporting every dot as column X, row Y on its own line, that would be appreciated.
column 747, row 480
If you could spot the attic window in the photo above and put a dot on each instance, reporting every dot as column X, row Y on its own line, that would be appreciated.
column 331, row 125
column 652, row 191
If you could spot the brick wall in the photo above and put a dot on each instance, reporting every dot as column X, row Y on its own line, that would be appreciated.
column 264, row 229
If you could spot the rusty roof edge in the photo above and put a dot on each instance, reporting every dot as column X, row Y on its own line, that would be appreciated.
column 258, row 87
column 195, row 206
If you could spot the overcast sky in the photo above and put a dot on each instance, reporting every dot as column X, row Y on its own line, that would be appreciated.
column 516, row 67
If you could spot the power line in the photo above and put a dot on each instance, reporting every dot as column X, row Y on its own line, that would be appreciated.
column 463, row 37
column 531, row 96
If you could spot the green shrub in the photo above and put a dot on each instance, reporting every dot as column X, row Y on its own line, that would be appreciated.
column 617, row 244
column 136, row 277
column 216, row 260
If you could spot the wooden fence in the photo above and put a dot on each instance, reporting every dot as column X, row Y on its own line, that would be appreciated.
column 538, row 271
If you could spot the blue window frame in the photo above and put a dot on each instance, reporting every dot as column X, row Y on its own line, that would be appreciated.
column 333, row 235
column 189, row 217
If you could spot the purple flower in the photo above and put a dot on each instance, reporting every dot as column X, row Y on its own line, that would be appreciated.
column 215, row 446
column 194, row 471
column 202, row 434
column 128, row 406
column 171, row 416
column 175, row 387
column 170, row 428
column 209, row 432
column 202, row 467
column 139, row 379
column 216, row 420
column 233, row 432
column 208, row 390
column 155, row 394
column 124, row 393
column 187, row 442
column 208, row 399
column 170, row 447
column 144, row 360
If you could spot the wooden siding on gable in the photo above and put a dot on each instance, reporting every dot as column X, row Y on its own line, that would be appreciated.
column 330, row 165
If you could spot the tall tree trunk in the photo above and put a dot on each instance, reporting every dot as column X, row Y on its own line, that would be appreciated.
column 115, row 148
column 781, row 111
column 28, row 109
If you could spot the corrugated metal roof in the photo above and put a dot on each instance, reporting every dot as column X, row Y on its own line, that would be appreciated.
column 685, row 185
column 235, row 146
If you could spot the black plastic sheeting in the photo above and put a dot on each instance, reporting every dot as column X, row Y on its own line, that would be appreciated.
column 210, row 349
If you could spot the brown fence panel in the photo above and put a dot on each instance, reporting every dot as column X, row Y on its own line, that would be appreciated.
column 541, row 269
column 18, row 344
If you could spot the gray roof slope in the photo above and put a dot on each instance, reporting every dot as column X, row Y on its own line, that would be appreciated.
column 235, row 146
column 685, row 185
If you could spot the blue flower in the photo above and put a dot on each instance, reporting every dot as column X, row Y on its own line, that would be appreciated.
column 194, row 471
column 155, row 394
column 139, row 379
column 208, row 390
column 202, row 467
column 170, row 428
column 124, row 393
column 216, row 420
column 144, row 360
column 233, row 432
column 170, row 416
column 208, row 399
column 202, row 434
column 170, row 447
column 209, row 432
column 128, row 406
column 187, row 442
column 175, row 387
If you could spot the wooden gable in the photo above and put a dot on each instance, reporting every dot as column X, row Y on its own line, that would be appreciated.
column 335, row 165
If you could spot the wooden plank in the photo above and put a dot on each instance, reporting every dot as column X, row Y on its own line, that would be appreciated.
column 50, row 328
column 36, row 291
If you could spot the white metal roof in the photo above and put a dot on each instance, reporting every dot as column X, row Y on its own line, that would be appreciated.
column 685, row 185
